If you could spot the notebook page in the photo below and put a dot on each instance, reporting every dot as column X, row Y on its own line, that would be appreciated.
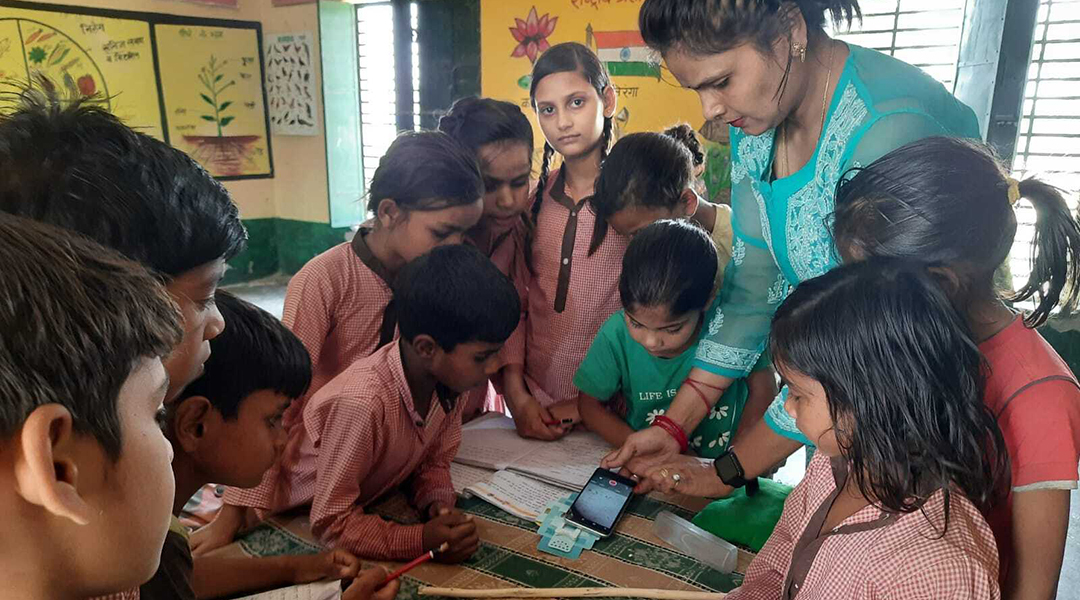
column 494, row 446
column 464, row 476
column 323, row 590
column 517, row 494
column 568, row 462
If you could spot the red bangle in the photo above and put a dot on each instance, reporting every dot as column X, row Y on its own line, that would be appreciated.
column 674, row 430
column 693, row 385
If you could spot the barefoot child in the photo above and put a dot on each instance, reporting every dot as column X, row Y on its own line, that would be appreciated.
column 644, row 351
column 395, row 418
column 886, row 382
column 85, row 483
column 574, row 262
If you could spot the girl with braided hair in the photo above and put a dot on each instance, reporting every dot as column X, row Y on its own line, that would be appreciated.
column 574, row 262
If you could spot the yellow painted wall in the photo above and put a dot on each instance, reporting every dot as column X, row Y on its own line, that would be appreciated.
column 299, row 188
column 646, row 103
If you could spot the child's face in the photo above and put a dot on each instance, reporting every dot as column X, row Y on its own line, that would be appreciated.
column 467, row 365
column 132, row 497
column 506, row 167
column 571, row 113
column 807, row 403
column 415, row 233
column 194, row 292
column 237, row 452
column 659, row 333
column 630, row 220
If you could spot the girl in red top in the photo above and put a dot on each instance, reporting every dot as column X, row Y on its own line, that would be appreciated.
column 574, row 261
column 950, row 204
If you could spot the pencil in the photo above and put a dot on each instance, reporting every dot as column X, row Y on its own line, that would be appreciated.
column 416, row 562
column 562, row 422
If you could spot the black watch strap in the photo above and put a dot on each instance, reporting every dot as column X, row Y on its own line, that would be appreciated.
column 730, row 470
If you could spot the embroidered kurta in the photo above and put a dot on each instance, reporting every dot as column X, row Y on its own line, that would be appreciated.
column 362, row 437
column 570, row 294
column 872, row 555
column 782, row 227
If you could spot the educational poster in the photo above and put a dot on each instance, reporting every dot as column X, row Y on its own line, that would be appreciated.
column 513, row 33
column 212, row 86
column 108, row 59
column 290, row 84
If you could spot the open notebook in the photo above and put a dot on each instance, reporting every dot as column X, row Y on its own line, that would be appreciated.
column 517, row 494
column 492, row 442
column 323, row 590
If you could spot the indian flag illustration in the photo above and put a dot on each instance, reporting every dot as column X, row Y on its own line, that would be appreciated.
column 623, row 52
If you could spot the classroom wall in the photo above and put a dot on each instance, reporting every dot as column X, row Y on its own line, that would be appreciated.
column 287, row 216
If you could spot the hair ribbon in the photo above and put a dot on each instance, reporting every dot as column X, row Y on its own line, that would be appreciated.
column 1014, row 191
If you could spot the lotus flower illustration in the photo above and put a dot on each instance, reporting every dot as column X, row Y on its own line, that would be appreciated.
column 531, row 34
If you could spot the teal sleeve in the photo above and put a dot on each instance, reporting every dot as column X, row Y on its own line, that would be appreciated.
column 600, row 373
column 736, row 334
column 893, row 130
column 763, row 362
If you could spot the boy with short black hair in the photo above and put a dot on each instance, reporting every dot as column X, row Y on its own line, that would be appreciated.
column 226, row 428
column 85, row 482
column 395, row 416
column 71, row 164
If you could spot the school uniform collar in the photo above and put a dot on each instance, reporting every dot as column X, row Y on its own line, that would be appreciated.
column 444, row 395
column 812, row 538
column 362, row 251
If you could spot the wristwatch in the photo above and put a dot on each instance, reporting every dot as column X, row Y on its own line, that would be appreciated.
column 730, row 471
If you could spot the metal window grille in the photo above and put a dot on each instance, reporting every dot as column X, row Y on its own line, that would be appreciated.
column 1048, row 142
column 378, row 82
column 924, row 33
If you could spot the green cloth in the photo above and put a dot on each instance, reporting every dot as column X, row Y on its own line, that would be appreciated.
column 743, row 520
column 615, row 362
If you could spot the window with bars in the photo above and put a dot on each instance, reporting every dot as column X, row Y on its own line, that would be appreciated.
column 924, row 33
column 1048, row 144
column 376, row 43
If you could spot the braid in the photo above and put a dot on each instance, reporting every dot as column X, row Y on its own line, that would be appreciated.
column 600, row 227
column 541, row 183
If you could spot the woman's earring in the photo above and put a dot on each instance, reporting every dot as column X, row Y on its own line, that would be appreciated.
column 800, row 50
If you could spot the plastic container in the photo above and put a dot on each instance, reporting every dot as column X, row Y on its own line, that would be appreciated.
column 696, row 542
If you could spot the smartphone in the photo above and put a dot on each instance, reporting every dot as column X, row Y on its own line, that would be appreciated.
column 601, row 502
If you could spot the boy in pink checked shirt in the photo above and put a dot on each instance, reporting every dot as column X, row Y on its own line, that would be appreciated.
column 395, row 417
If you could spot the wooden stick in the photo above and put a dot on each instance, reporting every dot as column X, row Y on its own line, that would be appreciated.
column 583, row 592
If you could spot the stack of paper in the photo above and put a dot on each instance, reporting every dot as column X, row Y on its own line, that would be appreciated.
column 323, row 590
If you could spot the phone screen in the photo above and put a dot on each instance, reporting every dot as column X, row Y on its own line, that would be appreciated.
column 602, row 500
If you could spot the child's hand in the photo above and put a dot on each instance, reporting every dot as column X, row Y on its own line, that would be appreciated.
column 566, row 411
column 368, row 585
column 453, row 528
column 335, row 564
column 219, row 532
column 438, row 508
column 532, row 420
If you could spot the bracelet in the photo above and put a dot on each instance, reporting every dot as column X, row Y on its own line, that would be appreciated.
column 674, row 430
column 693, row 385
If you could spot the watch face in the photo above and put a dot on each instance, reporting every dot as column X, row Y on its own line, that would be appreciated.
column 727, row 468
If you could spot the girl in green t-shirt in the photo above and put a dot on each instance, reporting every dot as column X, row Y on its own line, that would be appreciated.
column 644, row 352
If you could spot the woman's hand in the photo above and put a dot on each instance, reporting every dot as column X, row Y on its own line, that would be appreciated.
column 644, row 449
column 686, row 475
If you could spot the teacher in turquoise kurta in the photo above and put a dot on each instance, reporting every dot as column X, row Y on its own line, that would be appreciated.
column 802, row 108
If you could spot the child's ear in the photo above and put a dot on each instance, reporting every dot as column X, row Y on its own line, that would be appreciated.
column 610, row 102
column 689, row 201
column 189, row 422
column 425, row 346
column 388, row 212
column 46, row 473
